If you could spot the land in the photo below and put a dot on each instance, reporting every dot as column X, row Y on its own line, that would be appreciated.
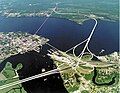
column 76, row 79
column 13, row 43
column 70, row 9
column 79, row 77
column 10, row 75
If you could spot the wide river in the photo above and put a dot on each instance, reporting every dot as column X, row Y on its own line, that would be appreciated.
column 63, row 34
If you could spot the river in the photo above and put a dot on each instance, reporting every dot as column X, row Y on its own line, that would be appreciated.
column 63, row 34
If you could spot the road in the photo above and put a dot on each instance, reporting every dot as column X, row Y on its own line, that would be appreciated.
column 89, row 38
column 48, row 16
column 55, row 70
column 64, row 13
column 29, row 79
column 87, row 42
column 73, row 48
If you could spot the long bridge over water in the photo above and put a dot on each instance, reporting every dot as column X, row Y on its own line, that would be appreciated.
column 75, row 58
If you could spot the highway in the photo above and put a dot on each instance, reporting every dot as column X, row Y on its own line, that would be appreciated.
column 73, row 48
column 77, row 59
column 89, row 38
column 55, row 70
column 48, row 16
column 29, row 79
column 39, row 75
column 64, row 13
column 87, row 43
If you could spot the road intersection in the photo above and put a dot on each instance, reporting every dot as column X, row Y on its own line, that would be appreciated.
column 73, row 48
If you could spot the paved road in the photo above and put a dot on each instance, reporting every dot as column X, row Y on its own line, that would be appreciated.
column 89, row 38
column 87, row 43
column 29, row 78
column 55, row 70
column 48, row 16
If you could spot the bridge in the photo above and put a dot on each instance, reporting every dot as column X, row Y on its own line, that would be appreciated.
column 70, row 59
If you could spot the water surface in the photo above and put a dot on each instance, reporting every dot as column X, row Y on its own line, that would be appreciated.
column 64, row 34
